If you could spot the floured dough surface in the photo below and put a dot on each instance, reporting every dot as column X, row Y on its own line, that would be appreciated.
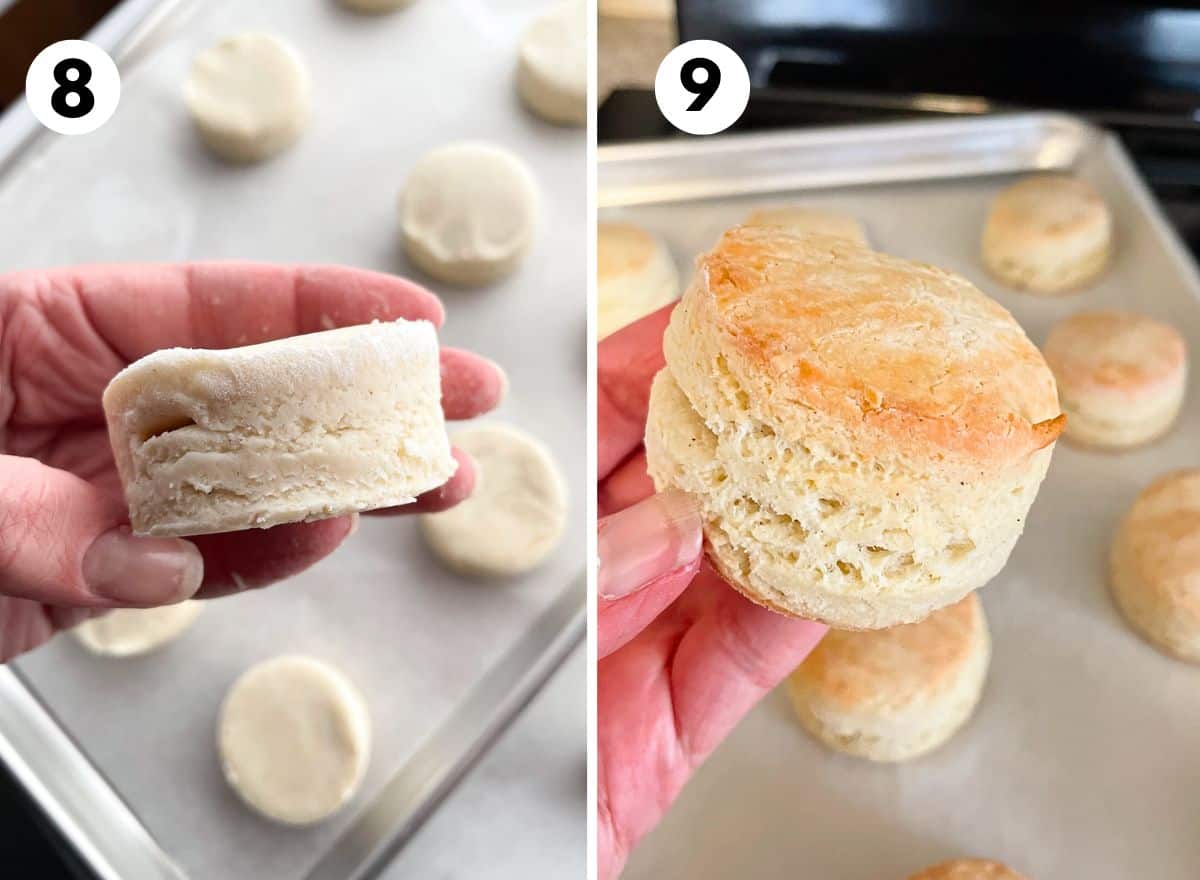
column 516, row 515
column 294, row 739
column 467, row 213
column 128, row 632
column 290, row 430
column 250, row 96
column 552, row 64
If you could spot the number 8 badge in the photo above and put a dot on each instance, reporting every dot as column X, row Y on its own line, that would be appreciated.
column 73, row 87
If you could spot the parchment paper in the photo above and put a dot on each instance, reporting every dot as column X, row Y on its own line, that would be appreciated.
column 1082, row 758
column 411, row 636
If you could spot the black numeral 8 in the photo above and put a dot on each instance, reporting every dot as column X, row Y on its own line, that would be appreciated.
column 702, row 90
column 77, row 86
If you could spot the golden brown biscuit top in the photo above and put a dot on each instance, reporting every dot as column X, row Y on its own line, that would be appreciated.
column 893, row 665
column 968, row 869
column 1047, row 207
column 805, row 220
column 912, row 350
column 1162, row 530
column 622, row 249
column 1114, row 350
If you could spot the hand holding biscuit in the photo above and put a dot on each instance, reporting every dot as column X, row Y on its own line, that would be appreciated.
column 65, row 547
column 683, row 656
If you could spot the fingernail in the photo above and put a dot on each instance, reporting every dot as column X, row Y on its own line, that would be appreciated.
column 142, row 571
column 641, row 543
column 353, row 524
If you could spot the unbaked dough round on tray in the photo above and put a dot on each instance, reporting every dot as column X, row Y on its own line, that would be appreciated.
column 552, row 71
column 516, row 514
column 864, row 434
column 468, row 212
column 129, row 632
column 250, row 96
column 294, row 739
column 895, row 694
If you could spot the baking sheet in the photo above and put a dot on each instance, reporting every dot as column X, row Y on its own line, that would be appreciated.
column 413, row 637
column 1081, row 760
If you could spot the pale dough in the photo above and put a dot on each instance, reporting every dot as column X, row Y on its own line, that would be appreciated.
column 294, row 739
column 290, row 430
column 249, row 96
column 127, row 632
column 516, row 514
column 467, row 213
column 374, row 6
column 552, row 69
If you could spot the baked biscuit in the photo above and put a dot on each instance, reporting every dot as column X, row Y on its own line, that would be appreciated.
column 1155, row 564
column 968, row 869
column 1121, row 377
column 864, row 434
column 895, row 694
column 1047, row 234
column 634, row 276
column 811, row 220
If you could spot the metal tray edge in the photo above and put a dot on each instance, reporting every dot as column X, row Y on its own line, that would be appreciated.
column 1063, row 138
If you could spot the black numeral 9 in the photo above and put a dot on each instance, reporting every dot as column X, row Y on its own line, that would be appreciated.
column 702, row 90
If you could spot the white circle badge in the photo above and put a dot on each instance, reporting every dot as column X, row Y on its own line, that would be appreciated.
column 702, row 87
column 73, row 87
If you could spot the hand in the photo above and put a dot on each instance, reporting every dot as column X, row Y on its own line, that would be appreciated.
column 678, row 669
column 65, row 548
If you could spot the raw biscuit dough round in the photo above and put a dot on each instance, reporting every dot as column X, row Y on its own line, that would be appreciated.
column 249, row 95
column 128, row 632
column 516, row 514
column 375, row 6
column 294, row 739
column 467, row 213
column 552, row 64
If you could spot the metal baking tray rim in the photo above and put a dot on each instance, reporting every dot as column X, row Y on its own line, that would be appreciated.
column 682, row 169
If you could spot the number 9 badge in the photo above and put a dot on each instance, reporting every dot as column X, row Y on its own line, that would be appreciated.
column 73, row 87
column 702, row 87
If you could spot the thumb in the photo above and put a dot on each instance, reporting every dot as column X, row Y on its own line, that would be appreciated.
column 64, row 542
column 648, row 554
